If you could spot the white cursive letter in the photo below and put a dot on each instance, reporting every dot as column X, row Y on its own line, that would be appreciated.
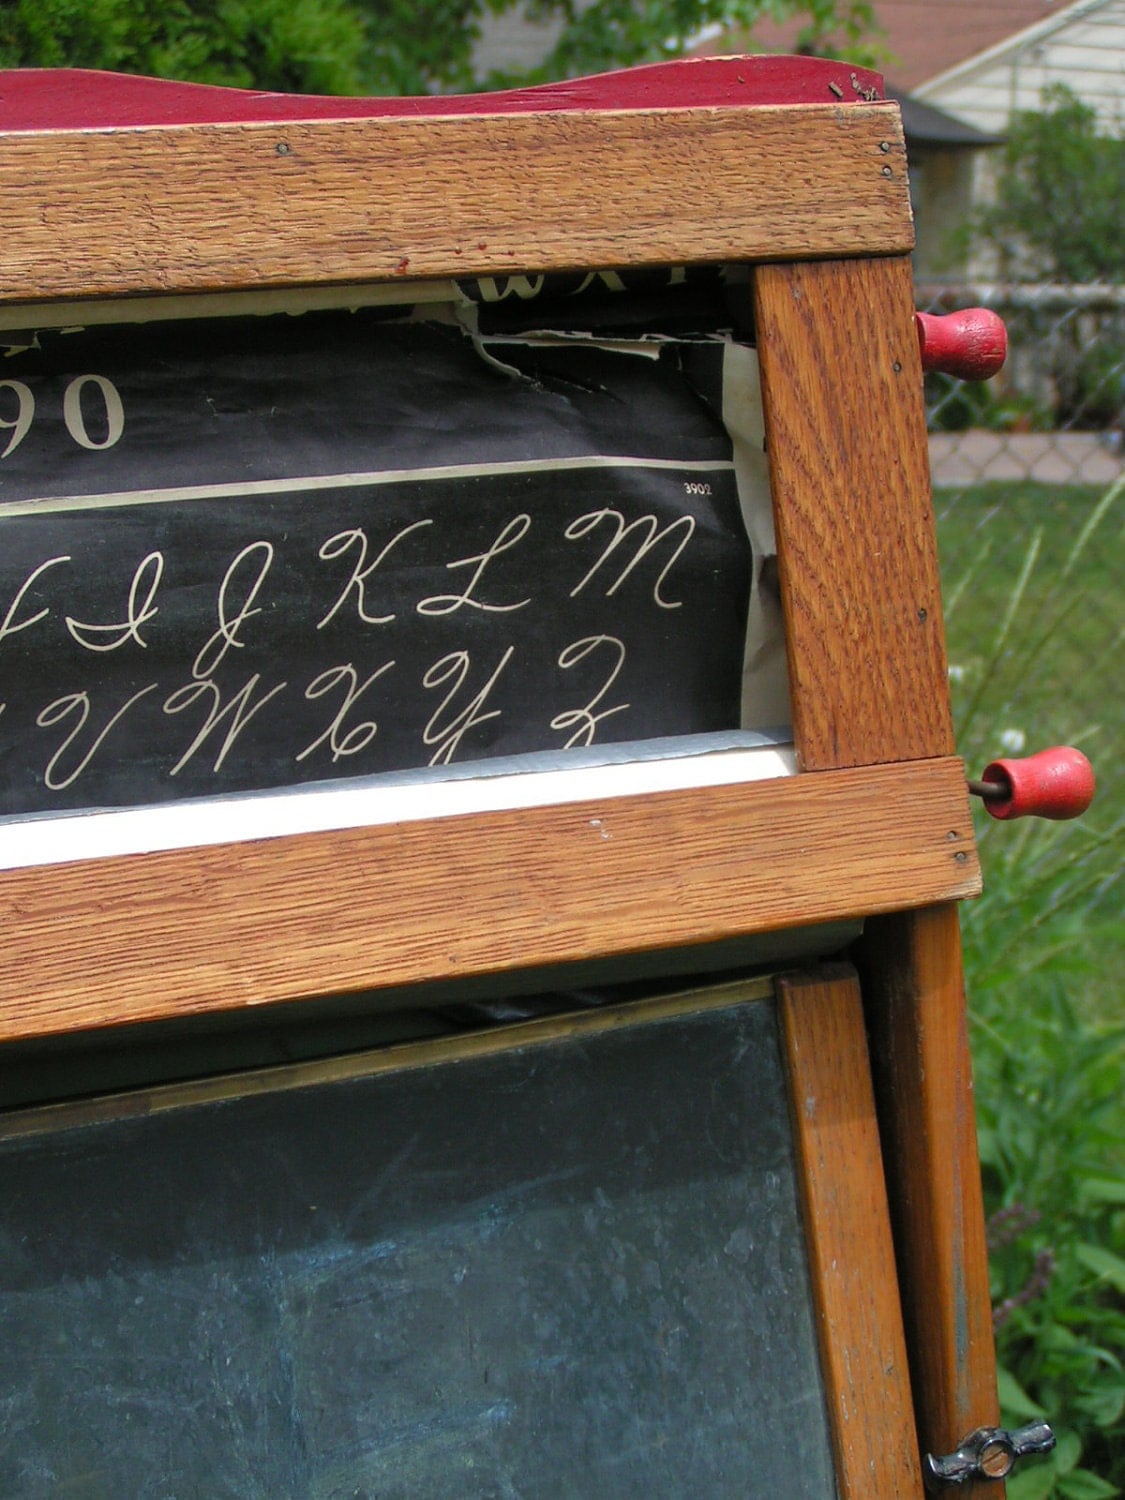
column 7, row 628
column 239, row 708
column 61, row 708
column 586, row 720
column 336, row 545
column 444, row 604
column 360, row 735
column 129, row 628
column 587, row 523
column 448, row 736
column 212, row 653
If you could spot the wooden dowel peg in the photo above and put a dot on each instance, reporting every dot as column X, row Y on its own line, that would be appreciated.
column 971, row 344
column 1057, row 783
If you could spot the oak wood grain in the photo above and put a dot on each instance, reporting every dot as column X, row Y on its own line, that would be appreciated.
column 920, row 1056
column 857, row 554
column 149, row 936
column 204, row 207
column 851, row 1254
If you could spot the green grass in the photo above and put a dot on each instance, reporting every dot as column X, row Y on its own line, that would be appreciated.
column 1036, row 632
column 1034, row 621
column 1057, row 670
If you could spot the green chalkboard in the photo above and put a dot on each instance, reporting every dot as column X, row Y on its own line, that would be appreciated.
column 561, row 1260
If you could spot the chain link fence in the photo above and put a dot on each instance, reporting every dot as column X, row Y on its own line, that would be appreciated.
column 1057, row 410
column 1029, row 489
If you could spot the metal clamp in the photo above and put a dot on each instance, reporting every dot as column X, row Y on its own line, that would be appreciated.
column 988, row 1453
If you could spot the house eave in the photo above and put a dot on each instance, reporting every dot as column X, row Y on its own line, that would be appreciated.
column 1010, row 46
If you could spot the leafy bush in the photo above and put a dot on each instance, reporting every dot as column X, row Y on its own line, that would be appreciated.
column 1049, row 1099
column 956, row 405
column 1059, row 207
column 1095, row 397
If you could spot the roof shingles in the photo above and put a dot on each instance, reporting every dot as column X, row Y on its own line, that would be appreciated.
column 923, row 38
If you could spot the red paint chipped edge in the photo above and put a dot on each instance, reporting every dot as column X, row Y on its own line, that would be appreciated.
column 78, row 99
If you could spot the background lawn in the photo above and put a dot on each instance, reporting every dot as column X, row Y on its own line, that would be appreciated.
column 1034, row 579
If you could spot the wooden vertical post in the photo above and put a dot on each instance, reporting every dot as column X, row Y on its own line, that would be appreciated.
column 851, row 1257
column 912, row 984
column 857, row 555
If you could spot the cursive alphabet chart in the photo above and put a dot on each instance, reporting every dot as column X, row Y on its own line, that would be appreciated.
column 257, row 552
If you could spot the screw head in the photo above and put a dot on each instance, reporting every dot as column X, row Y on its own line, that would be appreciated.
column 996, row 1459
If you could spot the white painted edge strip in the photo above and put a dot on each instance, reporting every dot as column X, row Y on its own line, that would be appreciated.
column 267, row 815
column 28, row 317
column 244, row 489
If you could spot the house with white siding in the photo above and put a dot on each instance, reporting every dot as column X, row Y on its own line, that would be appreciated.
column 1081, row 45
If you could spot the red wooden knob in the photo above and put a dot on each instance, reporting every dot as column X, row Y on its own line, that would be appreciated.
column 1057, row 783
column 972, row 344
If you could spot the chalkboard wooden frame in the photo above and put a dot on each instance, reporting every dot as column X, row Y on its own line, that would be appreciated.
column 147, row 937
column 812, row 191
column 278, row 920
column 281, row 201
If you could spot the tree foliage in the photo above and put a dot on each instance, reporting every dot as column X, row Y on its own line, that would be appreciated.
column 617, row 33
column 381, row 46
column 1059, row 210
column 315, row 46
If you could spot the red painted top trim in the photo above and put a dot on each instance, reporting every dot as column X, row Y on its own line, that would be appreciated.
column 79, row 99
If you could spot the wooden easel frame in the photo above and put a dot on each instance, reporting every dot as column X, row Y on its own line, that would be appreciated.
column 709, row 163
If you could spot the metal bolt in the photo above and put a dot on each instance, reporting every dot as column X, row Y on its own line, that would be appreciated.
column 989, row 1453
